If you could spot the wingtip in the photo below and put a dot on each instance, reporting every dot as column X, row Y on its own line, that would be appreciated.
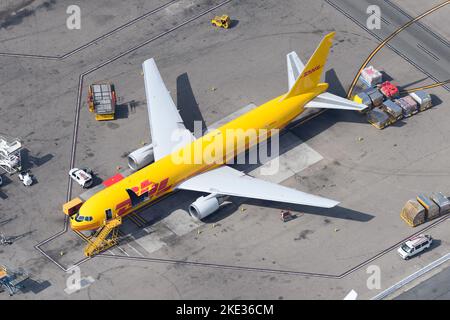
column 331, row 204
column 149, row 61
column 330, row 35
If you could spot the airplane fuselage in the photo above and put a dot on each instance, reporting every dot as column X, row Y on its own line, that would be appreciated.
column 162, row 176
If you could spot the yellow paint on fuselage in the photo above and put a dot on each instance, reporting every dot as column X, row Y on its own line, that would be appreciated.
column 274, row 114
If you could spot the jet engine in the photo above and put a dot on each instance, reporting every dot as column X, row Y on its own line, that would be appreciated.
column 141, row 157
column 204, row 206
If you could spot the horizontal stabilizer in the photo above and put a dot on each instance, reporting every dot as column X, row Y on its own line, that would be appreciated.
column 327, row 100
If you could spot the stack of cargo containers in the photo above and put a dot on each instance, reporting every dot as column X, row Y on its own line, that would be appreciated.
column 370, row 76
column 373, row 92
column 408, row 105
column 392, row 109
column 389, row 90
column 431, row 208
column 422, row 98
column 442, row 201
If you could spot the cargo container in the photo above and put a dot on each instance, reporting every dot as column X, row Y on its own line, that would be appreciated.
column 422, row 98
column 390, row 107
column 442, row 201
column 363, row 98
column 375, row 96
column 413, row 213
column 431, row 208
column 389, row 90
column 371, row 76
column 410, row 101
column 378, row 118
column 408, row 105
column 102, row 101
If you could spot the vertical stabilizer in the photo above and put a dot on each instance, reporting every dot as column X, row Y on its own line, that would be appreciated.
column 310, row 76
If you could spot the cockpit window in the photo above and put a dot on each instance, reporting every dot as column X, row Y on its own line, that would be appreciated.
column 79, row 218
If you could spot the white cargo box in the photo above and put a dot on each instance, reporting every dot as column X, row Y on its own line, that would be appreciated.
column 371, row 76
column 422, row 98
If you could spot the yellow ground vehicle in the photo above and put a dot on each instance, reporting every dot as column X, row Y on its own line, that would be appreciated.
column 221, row 21
column 102, row 101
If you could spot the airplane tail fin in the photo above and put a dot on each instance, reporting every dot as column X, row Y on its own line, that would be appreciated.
column 310, row 76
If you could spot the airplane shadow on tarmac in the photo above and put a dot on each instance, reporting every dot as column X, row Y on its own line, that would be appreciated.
column 337, row 212
column 188, row 106
column 190, row 112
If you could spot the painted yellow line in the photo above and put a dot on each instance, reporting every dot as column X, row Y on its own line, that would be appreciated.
column 383, row 43
column 438, row 84
column 139, row 218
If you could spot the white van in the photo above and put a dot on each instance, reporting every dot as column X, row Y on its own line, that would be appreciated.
column 414, row 245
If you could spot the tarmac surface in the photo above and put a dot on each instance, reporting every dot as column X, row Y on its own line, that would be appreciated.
column 434, row 288
column 243, row 251
column 423, row 47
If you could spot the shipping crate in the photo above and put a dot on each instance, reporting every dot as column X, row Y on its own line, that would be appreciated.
column 376, row 97
column 394, row 110
column 422, row 98
column 378, row 118
column 442, row 201
column 431, row 208
column 371, row 76
column 413, row 213
column 363, row 98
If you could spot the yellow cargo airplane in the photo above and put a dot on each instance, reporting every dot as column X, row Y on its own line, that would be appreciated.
column 158, row 174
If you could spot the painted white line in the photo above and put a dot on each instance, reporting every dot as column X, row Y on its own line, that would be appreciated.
column 412, row 277
column 135, row 250
column 123, row 251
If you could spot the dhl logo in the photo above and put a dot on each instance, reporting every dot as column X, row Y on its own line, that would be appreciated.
column 308, row 72
column 144, row 192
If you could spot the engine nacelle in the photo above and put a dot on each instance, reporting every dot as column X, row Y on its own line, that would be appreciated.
column 141, row 157
column 204, row 206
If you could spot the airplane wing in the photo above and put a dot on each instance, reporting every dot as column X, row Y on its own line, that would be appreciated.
column 328, row 100
column 228, row 181
column 295, row 67
column 166, row 126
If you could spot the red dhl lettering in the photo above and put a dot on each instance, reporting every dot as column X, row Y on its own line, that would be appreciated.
column 145, row 186
column 123, row 207
column 308, row 72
